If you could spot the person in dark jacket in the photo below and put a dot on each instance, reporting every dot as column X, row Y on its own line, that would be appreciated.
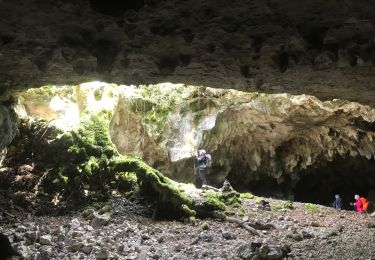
column 337, row 204
column 203, row 162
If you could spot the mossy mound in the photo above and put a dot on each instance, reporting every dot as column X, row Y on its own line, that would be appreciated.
column 169, row 201
column 83, row 166
column 83, row 157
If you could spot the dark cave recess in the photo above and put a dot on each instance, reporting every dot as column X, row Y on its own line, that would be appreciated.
column 343, row 176
column 318, row 185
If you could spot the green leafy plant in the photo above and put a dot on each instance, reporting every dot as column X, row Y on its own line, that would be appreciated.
column 288, row 204
column 285, row 205
column 311, row 207
column 276, row 207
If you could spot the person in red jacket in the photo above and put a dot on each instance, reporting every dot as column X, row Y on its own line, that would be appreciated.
column 360, row 204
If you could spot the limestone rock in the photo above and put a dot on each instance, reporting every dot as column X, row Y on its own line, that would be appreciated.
column 102, row 254
column 74, row 245
column 105, row 209
column 100, row 220
column 75, row 223
column 7, row 127
column 32, row 236
column 87, row 249
column 88, row 214
column 45, row 240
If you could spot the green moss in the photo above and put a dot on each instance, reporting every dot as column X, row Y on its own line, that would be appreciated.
column 219, row 200
column 98, row 94
column 211, row 201
column 91, row 165
column 63, row 178
column 188, row 211
column 231, row 199
column 82, row 158
column 311, row 207
column 46, row 93
column 157, row 104
column 285, row 205
column 126, row 181
column 192, row 220
column 276, row 207
column 156, row 187
column 129, row 176
column 246, row 195
column 86, row 159
column 288, row 204
column 205, row 226
column 257, row 199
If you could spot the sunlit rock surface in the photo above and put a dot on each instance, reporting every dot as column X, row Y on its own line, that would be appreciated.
column 251, row 136
column 56, row 105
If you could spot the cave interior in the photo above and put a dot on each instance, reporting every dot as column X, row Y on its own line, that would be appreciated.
column 319, row 184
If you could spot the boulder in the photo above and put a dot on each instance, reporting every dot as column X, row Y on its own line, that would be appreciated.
column 8, row 128
column 100, row 220
column 45, row 240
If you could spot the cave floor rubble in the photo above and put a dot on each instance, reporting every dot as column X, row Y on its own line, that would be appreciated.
column 125, row 229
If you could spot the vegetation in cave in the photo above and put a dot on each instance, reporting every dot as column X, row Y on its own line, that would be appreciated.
column 82, row 165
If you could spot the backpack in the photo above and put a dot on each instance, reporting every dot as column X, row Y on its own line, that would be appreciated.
column 364, row 203
column 208, row 160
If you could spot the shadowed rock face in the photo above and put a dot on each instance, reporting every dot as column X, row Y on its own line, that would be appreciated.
column 8, row 129
column 276, row 141
column 318, row 47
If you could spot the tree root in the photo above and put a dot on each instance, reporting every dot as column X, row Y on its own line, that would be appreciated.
column 237, row 221
column 8, row 214
column 242, row 224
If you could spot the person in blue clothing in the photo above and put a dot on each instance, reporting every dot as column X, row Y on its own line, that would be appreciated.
column 337, row 204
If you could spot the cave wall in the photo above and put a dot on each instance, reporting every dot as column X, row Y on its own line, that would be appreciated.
column 277, row 138
column 318, row 47
column 8, row 122
column 8, row 128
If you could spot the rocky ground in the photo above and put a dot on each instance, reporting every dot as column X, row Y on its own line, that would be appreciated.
column 125, row 230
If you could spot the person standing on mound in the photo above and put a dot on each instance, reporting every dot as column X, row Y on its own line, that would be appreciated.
column 203, row 163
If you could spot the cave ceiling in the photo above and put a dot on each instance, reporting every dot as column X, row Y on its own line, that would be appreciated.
column 318, row 47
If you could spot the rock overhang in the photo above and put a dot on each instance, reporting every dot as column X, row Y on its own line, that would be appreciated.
column 325, row 49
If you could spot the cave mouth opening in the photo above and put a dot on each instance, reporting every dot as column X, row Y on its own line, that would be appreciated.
column 344, row 176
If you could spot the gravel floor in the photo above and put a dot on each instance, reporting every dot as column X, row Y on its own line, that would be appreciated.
column 124, row 230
